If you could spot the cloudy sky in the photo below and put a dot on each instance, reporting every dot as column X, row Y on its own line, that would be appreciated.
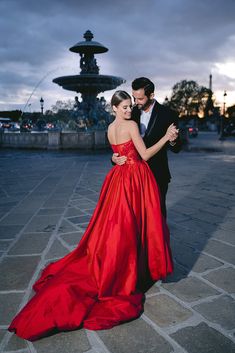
column 165, row 40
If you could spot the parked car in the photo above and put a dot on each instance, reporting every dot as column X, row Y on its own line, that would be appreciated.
column 53, row 127
column 15, row 127
column 40, row 125
column 192, row 131
column 5, row 123
column 26, row 125
column 229, row 129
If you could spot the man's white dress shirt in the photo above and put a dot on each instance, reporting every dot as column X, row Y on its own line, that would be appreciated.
column 144, row 120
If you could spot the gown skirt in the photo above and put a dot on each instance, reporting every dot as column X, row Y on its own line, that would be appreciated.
column 124, row 250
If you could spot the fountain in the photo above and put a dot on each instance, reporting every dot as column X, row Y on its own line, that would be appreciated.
column 90, row 83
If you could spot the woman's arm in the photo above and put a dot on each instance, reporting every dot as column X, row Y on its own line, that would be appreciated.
column 147, row 153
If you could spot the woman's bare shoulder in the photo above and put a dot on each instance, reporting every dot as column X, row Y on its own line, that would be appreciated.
column 132, row 126
column 131, row 123
column 110, row 127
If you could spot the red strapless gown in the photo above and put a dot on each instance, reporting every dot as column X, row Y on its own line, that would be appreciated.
column 124, row 249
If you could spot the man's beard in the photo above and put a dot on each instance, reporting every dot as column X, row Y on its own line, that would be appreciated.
column 146, row 105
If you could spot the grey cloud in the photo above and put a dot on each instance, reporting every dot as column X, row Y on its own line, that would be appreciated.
column 167, row 39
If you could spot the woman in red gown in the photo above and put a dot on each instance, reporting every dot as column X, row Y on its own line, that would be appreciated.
column 124, row 249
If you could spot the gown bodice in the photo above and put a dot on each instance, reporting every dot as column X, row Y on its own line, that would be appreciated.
column 127, row 149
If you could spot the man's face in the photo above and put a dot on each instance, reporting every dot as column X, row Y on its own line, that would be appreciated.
column 141, row 100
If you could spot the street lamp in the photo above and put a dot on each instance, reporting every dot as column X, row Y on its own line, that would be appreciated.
column 42, row 104
column 166, row 101
column 225, row 95
column 222, row 118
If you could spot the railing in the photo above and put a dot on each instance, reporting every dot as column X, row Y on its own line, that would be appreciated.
column 55, row 140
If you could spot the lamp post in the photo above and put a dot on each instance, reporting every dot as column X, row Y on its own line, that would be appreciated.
column 224, row 105
column 42, row 104
column 222, row 118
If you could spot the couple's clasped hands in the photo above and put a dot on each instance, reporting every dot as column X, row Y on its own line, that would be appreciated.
column 172, row 133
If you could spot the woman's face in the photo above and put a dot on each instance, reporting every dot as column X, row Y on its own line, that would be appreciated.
column 123, row 110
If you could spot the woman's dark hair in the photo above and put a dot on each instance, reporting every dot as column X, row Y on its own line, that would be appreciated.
column 118, row 97
column 145, row 83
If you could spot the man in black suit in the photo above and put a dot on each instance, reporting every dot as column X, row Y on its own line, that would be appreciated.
column 153, row 120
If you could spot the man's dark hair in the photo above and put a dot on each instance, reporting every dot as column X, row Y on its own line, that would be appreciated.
column 145, row 83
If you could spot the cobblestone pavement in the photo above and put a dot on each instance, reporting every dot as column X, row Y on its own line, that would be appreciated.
column 46, row 200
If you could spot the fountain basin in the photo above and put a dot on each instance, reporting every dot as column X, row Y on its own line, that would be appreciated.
column 89, row 83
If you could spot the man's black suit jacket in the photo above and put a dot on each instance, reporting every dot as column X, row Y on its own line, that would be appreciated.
column 160, row 120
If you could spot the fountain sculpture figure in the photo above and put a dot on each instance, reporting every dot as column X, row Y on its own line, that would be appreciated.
column 89, row 82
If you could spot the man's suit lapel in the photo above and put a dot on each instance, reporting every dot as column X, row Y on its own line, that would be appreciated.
column 136, row 116
column 152, row 119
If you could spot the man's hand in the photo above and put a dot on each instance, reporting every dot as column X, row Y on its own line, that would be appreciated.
column 174, row 137
column 118, row 160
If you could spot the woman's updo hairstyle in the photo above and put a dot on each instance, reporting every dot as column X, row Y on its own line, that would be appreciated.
column 118, row 97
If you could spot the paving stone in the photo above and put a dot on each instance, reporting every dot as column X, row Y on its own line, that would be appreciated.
column 15, row 343
column 57, row 250
column 16, row 272
column 136, row 336
column 30, row 243
column 64, row 342
column 2, row 214
column 206, row 216
column 83, row 204
column 215, row 209
column 205, row 263
column 2, row 334
column 178, row 273
column 89, row 211
column 52, row 203
column 95, row 197
column 183, row 209
column 227, row 236
column 7, row 206
column 73, row 212
column 4, row 245
column 220, row 250
column 9, row 304
column 9, row 231
column 221, row 311
column 203, row 339
column 223, row 278
column 177, row 216
column 228, row 224
column 28, row 205
column 184, row 254
column 165, row 311
column 197, row 226
column 51, row 211
column 63, row 191
column 84, row 192
column 16, row 219
column 195, row 240
column 72, row 238
column 153, row 290
column 43, row 223
column 190, row 289
column 66, row 227
column 79, row 219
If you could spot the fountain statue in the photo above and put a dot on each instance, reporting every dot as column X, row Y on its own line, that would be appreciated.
column 91, row 110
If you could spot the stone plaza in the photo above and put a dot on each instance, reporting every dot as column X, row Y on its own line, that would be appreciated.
column 46, row 201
